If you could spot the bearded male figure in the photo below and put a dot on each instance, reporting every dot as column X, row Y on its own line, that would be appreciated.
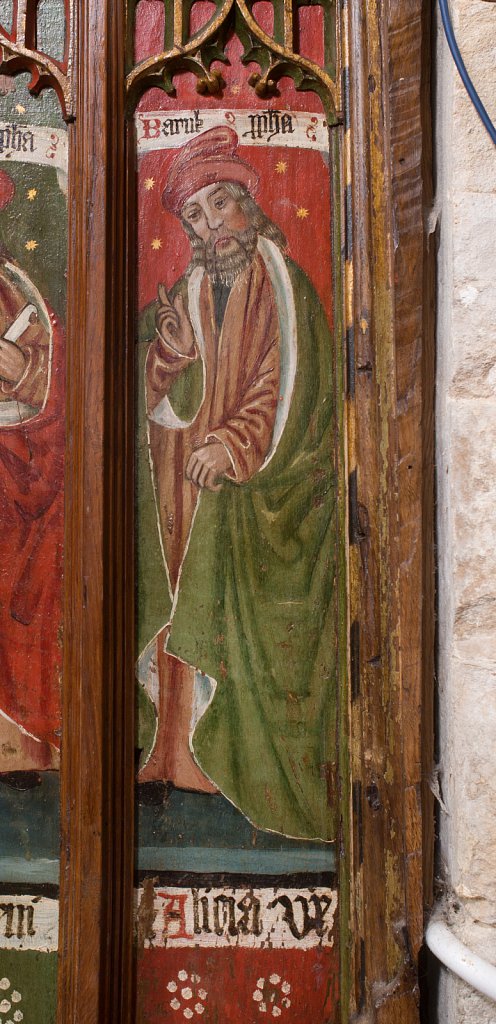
column 236, row 590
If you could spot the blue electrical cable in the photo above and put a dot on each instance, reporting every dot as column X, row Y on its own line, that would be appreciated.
column 464, row 75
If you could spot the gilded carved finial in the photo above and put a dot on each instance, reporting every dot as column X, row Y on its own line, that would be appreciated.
column 263, row 85
column 212, row 83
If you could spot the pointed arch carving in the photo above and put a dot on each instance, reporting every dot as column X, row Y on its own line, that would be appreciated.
column 19, row 53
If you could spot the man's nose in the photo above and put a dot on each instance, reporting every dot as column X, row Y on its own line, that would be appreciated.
column 214, row 219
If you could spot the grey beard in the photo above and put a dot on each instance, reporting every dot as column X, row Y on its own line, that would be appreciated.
column 225, row 269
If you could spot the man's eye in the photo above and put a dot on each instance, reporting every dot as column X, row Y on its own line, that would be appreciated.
column 220, row 203
column 193, row 216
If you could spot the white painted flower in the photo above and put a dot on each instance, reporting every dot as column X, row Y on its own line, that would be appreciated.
column 202, row 993
column 187, row 993
column 172, row 987
column 258, row 995
column 18, row 1015
column 199, row 1008
column 263, row 1007
column 16, row 997
column 286, row 1003
column 4, row 984
column 175, row 1004
column 260, row 982
column 274, row 979
column 4, row 1006
column 286, row 988
column 276, row 1012
column 183, row 975
column 188, row 1013
column 195, row 978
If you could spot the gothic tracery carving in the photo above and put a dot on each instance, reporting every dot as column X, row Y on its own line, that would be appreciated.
column 20, row 51
column 276, row 54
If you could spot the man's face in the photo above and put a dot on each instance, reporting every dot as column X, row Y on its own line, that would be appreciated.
column 217, row 218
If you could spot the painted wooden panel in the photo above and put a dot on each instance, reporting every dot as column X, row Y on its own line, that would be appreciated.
column 33, row 266
column 234, row 920
column 239, row 537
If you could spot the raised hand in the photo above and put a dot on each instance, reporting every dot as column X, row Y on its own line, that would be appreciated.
column 12, row 361
column 173, row 323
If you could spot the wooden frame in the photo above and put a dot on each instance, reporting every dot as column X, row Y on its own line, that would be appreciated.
column 388, row 312
column 391, row 500
column 95, row 976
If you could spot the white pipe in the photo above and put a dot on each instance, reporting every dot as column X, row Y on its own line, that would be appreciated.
column 479, row 973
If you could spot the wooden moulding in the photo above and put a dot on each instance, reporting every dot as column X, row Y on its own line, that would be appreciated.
column 96, row 929
column 414, row 278
column 391, row 588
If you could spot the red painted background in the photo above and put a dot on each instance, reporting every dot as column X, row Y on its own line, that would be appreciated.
column 304, row 185
column 225, row 981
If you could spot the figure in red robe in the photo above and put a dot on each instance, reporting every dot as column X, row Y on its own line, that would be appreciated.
column 31, row 527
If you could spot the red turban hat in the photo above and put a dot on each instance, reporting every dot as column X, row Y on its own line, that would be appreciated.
column 209, row 158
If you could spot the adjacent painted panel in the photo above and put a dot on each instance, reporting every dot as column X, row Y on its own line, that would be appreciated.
column 237, row 550
column 33, row 261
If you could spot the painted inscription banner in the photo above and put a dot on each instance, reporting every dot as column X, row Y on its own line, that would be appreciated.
column 249, row 918
column 29, row 923
column 299, row 130
column 33, row 144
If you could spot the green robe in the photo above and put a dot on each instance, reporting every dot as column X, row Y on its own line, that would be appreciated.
column 256, row 609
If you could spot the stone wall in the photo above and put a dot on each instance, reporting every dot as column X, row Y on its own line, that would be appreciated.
column 466, row 481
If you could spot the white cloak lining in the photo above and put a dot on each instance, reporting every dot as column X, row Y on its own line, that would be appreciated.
column 277, row 270
column 164, row 414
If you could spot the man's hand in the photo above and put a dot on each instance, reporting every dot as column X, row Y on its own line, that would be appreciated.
column 173, row 323
column 207, row 464
column 12, row 361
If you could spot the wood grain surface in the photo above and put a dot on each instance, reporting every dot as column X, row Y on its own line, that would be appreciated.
column 95, row 976
column 391, row 458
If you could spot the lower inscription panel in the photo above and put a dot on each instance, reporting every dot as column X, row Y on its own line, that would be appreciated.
column 229, row 917
column 225, row 952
